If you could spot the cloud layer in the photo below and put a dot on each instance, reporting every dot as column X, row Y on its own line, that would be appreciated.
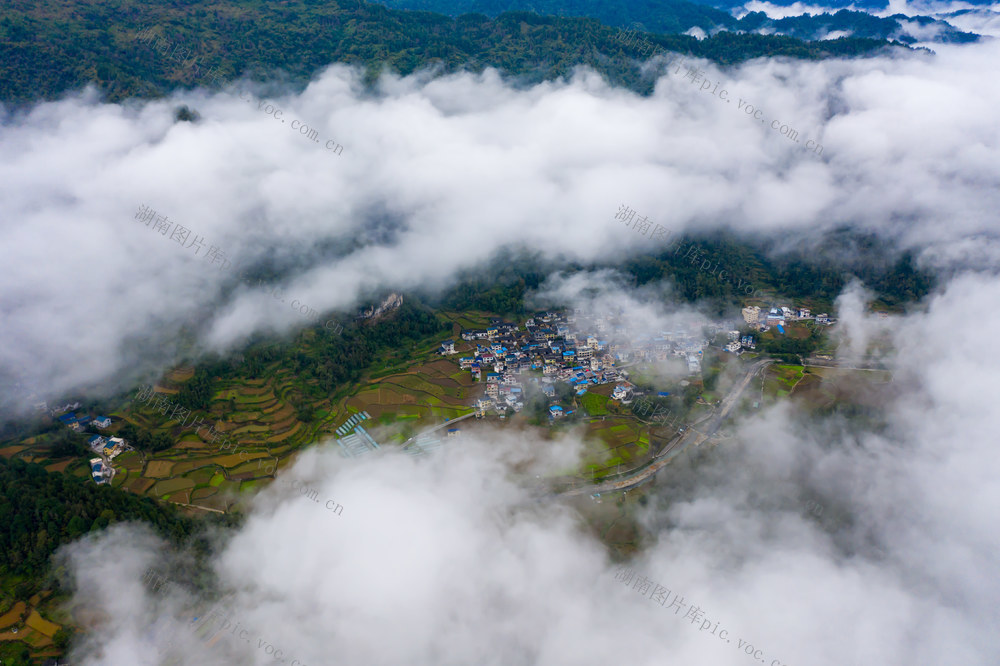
column 438, row 173
column 815, row 540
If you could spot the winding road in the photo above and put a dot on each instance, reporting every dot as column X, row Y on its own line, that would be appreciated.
column 677, row 445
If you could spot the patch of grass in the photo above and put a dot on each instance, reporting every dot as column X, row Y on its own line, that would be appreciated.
column 594, row 403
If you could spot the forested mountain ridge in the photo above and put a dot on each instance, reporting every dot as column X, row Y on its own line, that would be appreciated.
column 680, row 16
column 41, row 510
column 48, row 48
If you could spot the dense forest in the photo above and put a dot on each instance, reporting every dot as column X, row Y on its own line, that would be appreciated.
column 333, row 358
column 143, row 48
column 41, row 510
column 813, row 278
column 679, row 16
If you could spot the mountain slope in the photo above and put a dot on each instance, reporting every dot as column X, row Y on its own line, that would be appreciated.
column 50, row 47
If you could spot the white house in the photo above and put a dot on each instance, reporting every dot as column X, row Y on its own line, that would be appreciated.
column 96, row 443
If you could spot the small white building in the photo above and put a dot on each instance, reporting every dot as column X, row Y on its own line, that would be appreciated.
column 96, row 443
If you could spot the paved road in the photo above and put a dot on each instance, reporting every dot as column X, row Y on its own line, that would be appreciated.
column 446, row 424
column 674, row 448
column 844, row 365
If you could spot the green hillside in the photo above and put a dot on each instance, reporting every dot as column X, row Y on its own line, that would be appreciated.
column 48, row 47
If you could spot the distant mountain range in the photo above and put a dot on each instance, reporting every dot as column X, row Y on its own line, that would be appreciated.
column 147, row 48
column 681, row 16
column 865, row 5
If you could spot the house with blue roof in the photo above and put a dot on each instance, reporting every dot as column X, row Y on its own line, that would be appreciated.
column 96, row 443
column 102, row 422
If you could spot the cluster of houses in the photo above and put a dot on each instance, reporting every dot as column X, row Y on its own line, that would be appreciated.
column 774, row 317
column 777, row 316
column 77, row 422
column 568, row 348
column 737, row 343
column 108, row 447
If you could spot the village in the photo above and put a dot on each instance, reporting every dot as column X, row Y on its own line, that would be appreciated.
column 552, row 349
column 107, row 448
column 582, row 351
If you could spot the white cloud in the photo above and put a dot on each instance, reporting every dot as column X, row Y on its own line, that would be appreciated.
column 438, row 173
column 448, row 560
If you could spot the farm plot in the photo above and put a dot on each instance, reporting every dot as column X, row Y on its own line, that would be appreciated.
column 171, row 485
column 235, row 459
column 141, row 485
column 159, row 469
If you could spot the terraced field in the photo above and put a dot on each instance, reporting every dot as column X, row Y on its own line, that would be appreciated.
column 260, row 416
column 261, row 422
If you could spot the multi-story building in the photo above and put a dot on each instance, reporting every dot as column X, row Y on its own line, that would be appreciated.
column 751, row 315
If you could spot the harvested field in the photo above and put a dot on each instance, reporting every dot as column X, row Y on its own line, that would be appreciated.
column 285, row 435
column 159, row 469
column 236, row 459
column 284, row 424
column 285, row 412
column 270, row 409
column 13, row 616
column 171, row 485
column 141, row 485
column 41, row 625
column 59, row 466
